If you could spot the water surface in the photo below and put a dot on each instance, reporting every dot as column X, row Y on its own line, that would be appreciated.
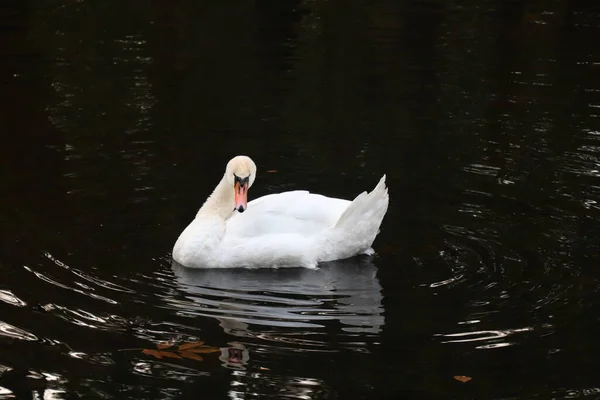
column 119, row 117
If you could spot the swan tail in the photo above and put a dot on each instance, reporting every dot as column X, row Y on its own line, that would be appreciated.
column 357, row 227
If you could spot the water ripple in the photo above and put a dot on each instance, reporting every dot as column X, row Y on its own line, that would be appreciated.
column 497, row 337
column 8, row 330
column 8, row 297
column 166, row 370
column 97, row 281
column 278, row 386
column 92, row 358
column 56, row 283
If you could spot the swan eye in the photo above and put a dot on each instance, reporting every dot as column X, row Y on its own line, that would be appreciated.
column 242, row 181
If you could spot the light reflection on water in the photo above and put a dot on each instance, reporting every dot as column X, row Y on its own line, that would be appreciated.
column 268, row 304
column 246, row 385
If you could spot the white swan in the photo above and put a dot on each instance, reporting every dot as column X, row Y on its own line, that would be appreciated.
column 289, row 229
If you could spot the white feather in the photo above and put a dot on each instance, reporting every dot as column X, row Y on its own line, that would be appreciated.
column 289, row 229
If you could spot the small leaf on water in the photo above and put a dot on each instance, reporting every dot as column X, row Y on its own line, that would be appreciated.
column 462, row 378
column 272, row 171
column 187, row 346
column 191, row 355
column 160, row 354
column 169, row 354
column 164, row 345
column 205, row 350
column 151, row 352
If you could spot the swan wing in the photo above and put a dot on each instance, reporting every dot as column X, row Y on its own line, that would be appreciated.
column 296, row 212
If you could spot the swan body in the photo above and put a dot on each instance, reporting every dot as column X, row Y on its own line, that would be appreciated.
column 289, row 229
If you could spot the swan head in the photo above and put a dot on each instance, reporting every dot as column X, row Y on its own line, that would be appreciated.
column 240, row 174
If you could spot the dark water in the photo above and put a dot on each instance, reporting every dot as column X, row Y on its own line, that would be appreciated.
column 117, row 119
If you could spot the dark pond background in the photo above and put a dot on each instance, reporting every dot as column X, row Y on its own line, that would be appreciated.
column 117, row 119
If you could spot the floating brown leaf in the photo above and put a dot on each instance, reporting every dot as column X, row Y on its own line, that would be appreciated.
column 160, row 354
column 169, row 354
column 462, row 378
column 191, row 355
column 187, row 346
column 205, row 350
column 151, row 352
column 165, row 345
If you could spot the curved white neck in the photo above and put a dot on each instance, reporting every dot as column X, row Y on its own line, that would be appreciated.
column 220, row 203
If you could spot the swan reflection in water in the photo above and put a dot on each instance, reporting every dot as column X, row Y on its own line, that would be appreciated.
column 338, row 306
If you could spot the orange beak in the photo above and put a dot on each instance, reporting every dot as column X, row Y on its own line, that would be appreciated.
column 241, row 196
